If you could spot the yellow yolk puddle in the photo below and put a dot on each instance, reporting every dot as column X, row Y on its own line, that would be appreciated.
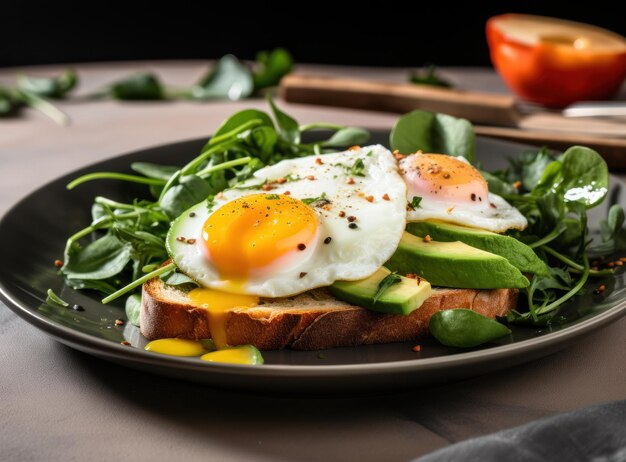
column 218, row 304
column 231, row 356
column 176, row 347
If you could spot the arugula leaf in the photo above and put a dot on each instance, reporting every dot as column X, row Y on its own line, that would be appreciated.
column 431, row 132
column 271, row 67
column 387, row 281
column 55, row 87
column 229, row 79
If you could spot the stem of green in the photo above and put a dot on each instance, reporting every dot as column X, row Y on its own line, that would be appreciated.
column 173, row 179
column 552, row 235
column 114, row 176
column 45, row 107
column 572, row 292
column 575, row 266
column 223, row 166
column 138, row 282
column 235, row 131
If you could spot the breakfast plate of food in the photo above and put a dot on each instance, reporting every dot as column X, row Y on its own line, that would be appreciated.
column 322, row 258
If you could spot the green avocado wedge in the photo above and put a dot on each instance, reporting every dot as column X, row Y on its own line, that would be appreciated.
column 403, row 296
column 517, row 253
column 454, row 264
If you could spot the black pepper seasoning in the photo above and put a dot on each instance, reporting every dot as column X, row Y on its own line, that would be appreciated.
column 327, row 240
column 301, row 246
column 353, row 226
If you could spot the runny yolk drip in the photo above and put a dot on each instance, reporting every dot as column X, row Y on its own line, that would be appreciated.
column 445, row 178
column 247, row 235
column 231, row 356
column 218, row 305
column 177, row 347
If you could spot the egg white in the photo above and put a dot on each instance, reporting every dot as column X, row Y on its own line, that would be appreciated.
column 494, row 214
column 351, row 254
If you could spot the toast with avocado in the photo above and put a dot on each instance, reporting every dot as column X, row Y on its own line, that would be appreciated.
column 313, row 320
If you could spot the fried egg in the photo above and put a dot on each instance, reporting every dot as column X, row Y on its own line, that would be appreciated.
column 452, row 190
column 297, row 225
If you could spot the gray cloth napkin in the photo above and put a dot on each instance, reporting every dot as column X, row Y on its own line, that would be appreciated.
column 593, row 434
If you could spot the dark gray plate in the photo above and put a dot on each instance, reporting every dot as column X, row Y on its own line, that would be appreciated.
column 33, row 234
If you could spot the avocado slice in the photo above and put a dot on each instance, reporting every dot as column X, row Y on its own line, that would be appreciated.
column 454, row 264
column 517, row 253
column 400, row 298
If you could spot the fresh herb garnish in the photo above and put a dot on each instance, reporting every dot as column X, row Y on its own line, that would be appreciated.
column 272, row 197
column 316, row 201
column 415, row 202
column 387, row 281
column 358, row 168
column 54, row 299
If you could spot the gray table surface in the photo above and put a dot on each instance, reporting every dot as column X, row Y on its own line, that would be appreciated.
column 60, row 404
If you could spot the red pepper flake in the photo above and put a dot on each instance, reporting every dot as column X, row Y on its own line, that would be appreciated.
column 492, row 205
column 342, row 214
column 301, row 246
column 119, row 322
column 310, row 177
column 356, row 147
column 267, row 187
column 319, row 161
column 350, row 180
column 397, row 155
column 611, row 264
column 181, row 239
column 473, row 197
column 302, row 274
column 427, row 238
column 351, row 218
column 450, row 210
column 622, row 259
column 601, row 289
column 416, row 348
column 281, row 180
column 386, row 197
column 369, row 198
column 287, row 193
column 191, row 241
column 619, row 263
column 517, row 184
column 411, row 276
column 58, row 263
column 125, row 343
column 446, row 175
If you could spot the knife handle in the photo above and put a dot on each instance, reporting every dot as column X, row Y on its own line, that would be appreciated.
column 478, row 107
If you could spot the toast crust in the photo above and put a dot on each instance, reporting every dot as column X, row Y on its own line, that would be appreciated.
column 314, row 320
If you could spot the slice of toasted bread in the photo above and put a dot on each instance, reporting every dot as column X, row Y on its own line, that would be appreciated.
column 313, row 320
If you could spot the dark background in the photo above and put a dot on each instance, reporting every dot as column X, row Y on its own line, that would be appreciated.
column 376, row 33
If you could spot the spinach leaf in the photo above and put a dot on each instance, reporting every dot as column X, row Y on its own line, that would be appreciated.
column 160, row 172
column 271, row 67
column 229, row 79
column 612, row 232
column 240, row 118
column 190, row 190
column 101, row 259
column 498, row 186
column 102, row 286
column 144, row 86
column 464, row 328
column 133, row 309
column 430, row 132
column 288, row 128
column 584, row 176
column 55, row 87
column 9, row 105
column 347, row 136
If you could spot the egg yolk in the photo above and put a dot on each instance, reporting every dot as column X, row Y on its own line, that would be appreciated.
column 445, row 178
column 248, row 235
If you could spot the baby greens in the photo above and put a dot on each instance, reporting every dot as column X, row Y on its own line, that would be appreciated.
column 127, row 239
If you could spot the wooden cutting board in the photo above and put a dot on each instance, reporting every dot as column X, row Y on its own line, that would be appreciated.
column 495, row 115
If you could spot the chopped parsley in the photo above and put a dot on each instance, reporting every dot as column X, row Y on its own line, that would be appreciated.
column 272, row 197
column 210, row 202
column 358, row 168
column 415, row 202
column 316, row 201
